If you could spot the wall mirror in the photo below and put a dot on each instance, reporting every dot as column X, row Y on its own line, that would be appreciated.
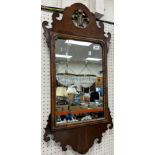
column 79, row 79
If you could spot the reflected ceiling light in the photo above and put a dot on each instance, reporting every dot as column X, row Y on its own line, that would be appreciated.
column 82, row 43
column 96, row 47
column 89, row 52
column 63, row 56
column 93, row 59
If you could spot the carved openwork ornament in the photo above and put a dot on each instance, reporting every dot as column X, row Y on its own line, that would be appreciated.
column 80, row 24
column 80, row 19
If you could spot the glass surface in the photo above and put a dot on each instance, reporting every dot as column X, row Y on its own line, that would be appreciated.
column 79, row 82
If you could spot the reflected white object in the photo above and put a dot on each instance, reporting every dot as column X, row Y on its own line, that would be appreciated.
column 96, row 47
column 71, row 90
column 89, row 53
column 86, row 118
column 87, row 95
column 79, row 81
column 78, row 87
column 93, row 59
column 61, row 91
column 62, row 122
column 63, row 56
column 82, row 43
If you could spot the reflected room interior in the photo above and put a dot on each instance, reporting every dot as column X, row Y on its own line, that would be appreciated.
column 79, row 82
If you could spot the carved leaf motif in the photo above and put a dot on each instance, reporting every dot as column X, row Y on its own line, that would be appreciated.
column 80, row 19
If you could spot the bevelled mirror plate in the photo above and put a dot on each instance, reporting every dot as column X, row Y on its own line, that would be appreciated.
column 79, row 82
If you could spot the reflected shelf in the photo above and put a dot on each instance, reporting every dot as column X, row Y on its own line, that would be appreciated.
column 60, row 113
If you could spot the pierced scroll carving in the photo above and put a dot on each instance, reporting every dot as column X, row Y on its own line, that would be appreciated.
column 47, row 33
column 80, row 19
column 80, row 139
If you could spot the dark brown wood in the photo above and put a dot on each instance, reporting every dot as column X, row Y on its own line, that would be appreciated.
column 79, row 136
column 48, row 130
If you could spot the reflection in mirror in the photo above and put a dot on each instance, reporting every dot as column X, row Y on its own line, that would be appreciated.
column 79, row 82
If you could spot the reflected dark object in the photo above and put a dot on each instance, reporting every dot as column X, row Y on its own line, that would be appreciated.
column 94, row 96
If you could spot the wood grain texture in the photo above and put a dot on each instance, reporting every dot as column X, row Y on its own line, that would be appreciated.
column 80, row 139
column 79, row 136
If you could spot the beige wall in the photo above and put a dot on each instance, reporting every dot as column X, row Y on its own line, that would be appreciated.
column 108, row 10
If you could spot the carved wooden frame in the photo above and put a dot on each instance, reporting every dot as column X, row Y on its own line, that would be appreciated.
column 81, row 136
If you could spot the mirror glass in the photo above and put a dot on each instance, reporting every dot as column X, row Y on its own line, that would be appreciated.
column 79, row 82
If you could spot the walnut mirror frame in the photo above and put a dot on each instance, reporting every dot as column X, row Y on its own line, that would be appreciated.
column 77, row 23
